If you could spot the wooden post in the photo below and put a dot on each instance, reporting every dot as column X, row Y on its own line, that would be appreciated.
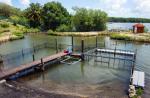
column 56, row 45
column 133, row 66
column 114, row 57
column 82, row 49
column 96, row 41
column 42, row 65
column 109, row 61
column 22, row 53
column 72, row 43
column 33, row 57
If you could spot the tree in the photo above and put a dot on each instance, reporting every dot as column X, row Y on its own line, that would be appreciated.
column 7, row 10
column 89, row 20
column 33, row 13
column 54, row 15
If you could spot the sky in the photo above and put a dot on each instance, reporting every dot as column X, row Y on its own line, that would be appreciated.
column 114, row 8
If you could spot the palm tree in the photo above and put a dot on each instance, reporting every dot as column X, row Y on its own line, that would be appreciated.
column 33, row 13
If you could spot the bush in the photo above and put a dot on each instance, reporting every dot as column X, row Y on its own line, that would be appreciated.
column 139, row 92
column 4, row 25
column 19, row 20
column 50, row 32
column 63, row 28
column 32, row 30
column 19, row 34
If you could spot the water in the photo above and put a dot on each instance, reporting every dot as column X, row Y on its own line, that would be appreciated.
column 125, row 26
column 86, row 78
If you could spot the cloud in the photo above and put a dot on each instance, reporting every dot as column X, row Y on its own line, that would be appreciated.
column 25, row 2
column 9, row 2
column 115, row 7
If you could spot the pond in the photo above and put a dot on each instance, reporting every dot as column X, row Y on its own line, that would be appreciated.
column 86, row 78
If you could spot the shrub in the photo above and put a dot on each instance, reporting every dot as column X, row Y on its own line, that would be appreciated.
column 50, row 32
column 63, row 28
column 19, row 20
column 139, row 92
column 32, row 30
column 4, row 25
column 19, row 34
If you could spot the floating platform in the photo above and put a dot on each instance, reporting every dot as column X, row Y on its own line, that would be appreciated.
column 116, row 51
column 71, row 60
column 139, row 79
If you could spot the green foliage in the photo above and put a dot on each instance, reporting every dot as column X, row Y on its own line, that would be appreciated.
column 139, row 92
column 50, row 31
column 7, row 10
column 18, row 33
column 32, row 30
column 54, row 15
column 132, row 20
column 33, row 13
column 19, row 20
column 63, row 28
column 89, row 20
column 4, row 24
column 119, row 36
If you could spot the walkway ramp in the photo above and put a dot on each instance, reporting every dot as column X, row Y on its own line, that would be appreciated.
column 139, row 79
column 9, row 72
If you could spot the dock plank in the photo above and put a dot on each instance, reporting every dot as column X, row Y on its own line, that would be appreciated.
column 8, row 72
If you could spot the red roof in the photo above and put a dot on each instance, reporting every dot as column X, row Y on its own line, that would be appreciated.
column 138, row 25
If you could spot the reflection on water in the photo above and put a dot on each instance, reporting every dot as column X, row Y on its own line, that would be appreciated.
column 88, row 78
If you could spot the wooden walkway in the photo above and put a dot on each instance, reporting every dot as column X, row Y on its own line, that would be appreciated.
column 7, row 73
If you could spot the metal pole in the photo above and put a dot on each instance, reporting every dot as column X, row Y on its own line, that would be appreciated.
column 82, row 49
column 33, row 57
column 72, row 43
column 96, row 41
column 42, row 65
column 56, row 45
column 22, row 53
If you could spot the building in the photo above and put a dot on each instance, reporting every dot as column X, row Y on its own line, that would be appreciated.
column 138, row 28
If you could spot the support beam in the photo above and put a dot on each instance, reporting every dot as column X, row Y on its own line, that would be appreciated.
column 42, row 65
column 33, row 57
column 72, row 43
column 56, row 44
column 82, row 50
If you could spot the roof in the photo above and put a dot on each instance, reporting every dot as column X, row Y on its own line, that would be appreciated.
column 138, row 25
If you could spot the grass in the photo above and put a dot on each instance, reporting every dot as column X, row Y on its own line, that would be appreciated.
column 9, row 31
column 120, row 36
column 79, row 34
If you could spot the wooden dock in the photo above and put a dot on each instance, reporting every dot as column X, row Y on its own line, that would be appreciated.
column 9, row 72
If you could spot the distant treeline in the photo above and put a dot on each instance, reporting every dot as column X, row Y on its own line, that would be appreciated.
column 132, row 20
